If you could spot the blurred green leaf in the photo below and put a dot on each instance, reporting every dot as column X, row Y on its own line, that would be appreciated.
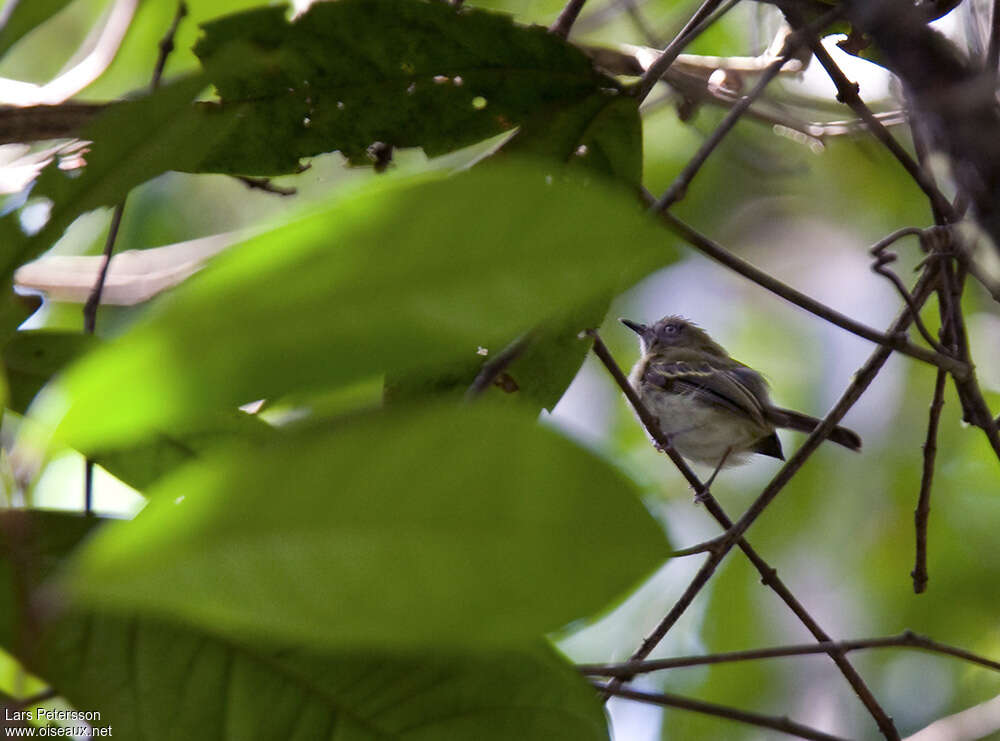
column 154, row 680
column 396, row 278
column 258, row 691
column 350, row 73
column 22, row 16
column 133, row 141
column 143, row 463
column 367, row 537
column 33, row 357
column 33, row 545
column 546, row 364
column 554, row 356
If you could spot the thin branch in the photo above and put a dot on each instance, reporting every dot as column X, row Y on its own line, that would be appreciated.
column 882, row 258
column 922, row 513
column 705, row 547
column 773, row 722
column 679, row 187
column 695, row 25
column 768, row 574
column 847, row 92
column 993, row 50
column 895, row 341
column 975, row 411
column 166, row 45
column 90, row 325
column 567, row 18
column 903, row 640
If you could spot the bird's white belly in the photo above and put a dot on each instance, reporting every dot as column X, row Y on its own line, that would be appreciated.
column 701, row 432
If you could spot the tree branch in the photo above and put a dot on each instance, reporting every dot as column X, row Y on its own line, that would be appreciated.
column 720, row 711
column 903, row 640
column 679, row 187
column 894, row 341
column 93, row 302
column 847, row 92
column 695, row 25
column 921, row 514
column 567, row 18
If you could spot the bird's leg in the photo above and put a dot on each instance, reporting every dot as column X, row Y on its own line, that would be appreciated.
column 701, row 495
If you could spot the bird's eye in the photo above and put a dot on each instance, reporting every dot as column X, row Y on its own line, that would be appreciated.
column 671, row 328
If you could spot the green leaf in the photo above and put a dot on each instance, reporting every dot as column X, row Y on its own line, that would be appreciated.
column 552, row 359
column 23, row 16
column 143, row 463
column 602, row 133
column 394, row 279
column 449, row 526
column 544, row 367
column 152, row 680
column 133, row 142
column 141, row 674
column 33, row 357
column 407, row 73
column 33, row 544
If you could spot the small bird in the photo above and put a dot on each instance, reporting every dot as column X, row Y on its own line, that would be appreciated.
column 715, row 410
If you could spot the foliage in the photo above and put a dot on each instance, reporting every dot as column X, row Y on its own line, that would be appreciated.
column 372, row 510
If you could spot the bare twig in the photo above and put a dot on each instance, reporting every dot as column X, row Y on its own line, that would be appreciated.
column 773, row 722
column 993, row 50
column 704, row 547
column 695, row 25
column 90, row 308
column 567, row 18
column 847, row 92
column 922, row 513
column 882, row 258
column 769, row 575
column 895, row 341
column 90, row 325
column 903, row 640
column 679, row 187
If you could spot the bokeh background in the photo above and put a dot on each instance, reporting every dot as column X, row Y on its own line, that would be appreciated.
column 841, row 534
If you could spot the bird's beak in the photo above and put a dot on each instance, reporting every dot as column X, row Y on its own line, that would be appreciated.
column 639, row 329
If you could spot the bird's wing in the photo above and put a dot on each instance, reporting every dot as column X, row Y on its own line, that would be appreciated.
column 722, row 387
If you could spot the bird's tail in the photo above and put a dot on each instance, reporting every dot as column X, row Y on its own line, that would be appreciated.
column 804, row 423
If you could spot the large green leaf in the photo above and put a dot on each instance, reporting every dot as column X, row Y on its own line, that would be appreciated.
column 142, row 463
column 156, row 681
column 404, row 72
column 451, row 526
column 396, row 278
column 153, row 681
column 33, row 545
